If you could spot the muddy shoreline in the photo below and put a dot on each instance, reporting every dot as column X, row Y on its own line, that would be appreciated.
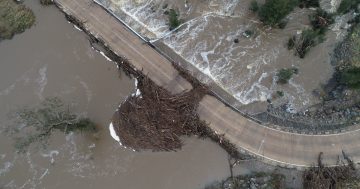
column 126, row 66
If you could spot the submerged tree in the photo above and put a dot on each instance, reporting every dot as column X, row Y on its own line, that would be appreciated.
column 285, row 74
column 35, row 125
column 351, row 77
column 174, row 20
column 273, row 11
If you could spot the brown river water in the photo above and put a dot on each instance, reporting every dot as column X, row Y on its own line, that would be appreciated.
column 247, row 69
column 55, row 59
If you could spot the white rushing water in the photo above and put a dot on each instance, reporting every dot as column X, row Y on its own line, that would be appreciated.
column 246, row 70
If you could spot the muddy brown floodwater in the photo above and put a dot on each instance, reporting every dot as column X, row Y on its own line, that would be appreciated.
column 54, row 59
column 245, row 69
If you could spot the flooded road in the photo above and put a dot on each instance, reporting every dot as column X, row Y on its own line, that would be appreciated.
column 54, row 59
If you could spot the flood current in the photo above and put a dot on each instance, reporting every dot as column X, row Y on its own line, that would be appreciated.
column 54, row 59
column 245, row 69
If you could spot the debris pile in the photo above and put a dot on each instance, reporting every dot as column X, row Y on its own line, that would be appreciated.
column 156, row 119
column 322, row 177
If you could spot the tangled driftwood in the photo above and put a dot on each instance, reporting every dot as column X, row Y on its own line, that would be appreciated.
column 322, row 177
column 157, row 118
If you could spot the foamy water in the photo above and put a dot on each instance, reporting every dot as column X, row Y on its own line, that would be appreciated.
column 246, row 70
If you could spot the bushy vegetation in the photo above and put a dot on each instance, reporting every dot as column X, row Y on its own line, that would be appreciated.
column 14, row 18
column 46, row 2
column 347, row 59
column 308, row 39
column 254, row 6
column 280, row 93
column 348, row 5
column 35, row 125
column 291, row 42
column 354, row 45
column 174, row 20
column 309, row 3
column 320, row 21
column 273, row 11
column 282, row 24
column 285, row 74
column 351, row 77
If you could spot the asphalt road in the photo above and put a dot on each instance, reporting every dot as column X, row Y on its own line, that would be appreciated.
column 125, row 43
column 270, row 145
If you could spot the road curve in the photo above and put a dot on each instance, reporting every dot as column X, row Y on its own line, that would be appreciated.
column 270, row 145
column 279, row 147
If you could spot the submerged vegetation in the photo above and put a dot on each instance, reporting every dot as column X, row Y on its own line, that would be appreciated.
column 174, row 20
column 348, row 5
column 254, row 6
column 273, row 11
column 308, row 39
column 14, row 18
column 35, row 125
column 309, row 3
column 46, row 2
column 284, row 75
column 320, row 21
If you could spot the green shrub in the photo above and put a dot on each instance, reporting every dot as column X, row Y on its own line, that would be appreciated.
column 351, row 77
column 273, row 11
column 14, row 18
column 254, row 6
column 174, row 21
column 309, row 3
column 308, row 39
column 280, row 93
column 284, row 75
column 347, row 5
column 46, row 2
column 248, row 33
column 291, row 42
column 354, row 45
column 321, row 20
column 282, row 24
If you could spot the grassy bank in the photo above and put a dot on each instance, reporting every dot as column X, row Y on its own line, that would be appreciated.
column 14, row 18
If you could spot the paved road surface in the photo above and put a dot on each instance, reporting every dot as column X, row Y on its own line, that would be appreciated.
column 274, row 145
column 270, row 145
column 125, row 43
